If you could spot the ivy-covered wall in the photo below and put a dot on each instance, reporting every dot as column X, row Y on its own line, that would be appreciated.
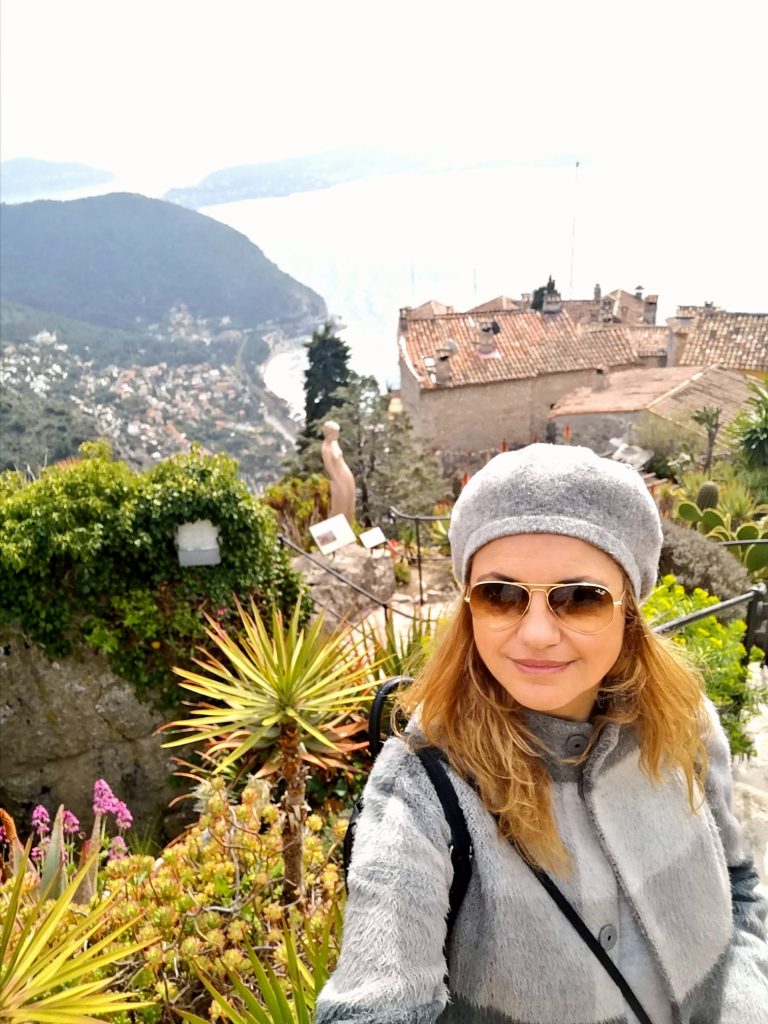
column 87, row 555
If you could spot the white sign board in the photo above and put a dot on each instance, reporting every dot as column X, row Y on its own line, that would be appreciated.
column 332, row 534
column 371, row 538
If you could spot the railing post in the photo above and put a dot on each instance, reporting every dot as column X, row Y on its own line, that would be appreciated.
column 757, row 622
column 418, row 562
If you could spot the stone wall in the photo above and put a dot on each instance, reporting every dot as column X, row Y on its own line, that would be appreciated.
column 596, row 430
column 481, row 417
column 68, row 722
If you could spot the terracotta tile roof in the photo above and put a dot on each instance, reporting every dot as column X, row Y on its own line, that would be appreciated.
column 739, row 340
column 520, row 346
column 645, row 339
column 500, row 302
column 584, row 311
column 627, row 307
column 672, row 392
column 426, row 309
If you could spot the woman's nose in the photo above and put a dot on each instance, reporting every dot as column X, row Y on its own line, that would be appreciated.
column 539, row 627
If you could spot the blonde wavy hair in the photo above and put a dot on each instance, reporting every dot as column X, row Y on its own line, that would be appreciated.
column 481, row 729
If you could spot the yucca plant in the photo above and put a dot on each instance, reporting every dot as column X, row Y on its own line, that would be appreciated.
column 285, row 694
column 399, row 651
column 51, row 973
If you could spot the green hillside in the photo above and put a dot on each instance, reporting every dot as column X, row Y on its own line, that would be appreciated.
column 106, row 346
column 123, row 260
column 37, row 430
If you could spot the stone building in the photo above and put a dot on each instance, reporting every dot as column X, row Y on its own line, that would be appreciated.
column 480, row 380
column 592, row 416
column 706, row 334
column 616, row 307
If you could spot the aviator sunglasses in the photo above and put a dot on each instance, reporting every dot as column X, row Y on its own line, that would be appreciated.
column 582, row 607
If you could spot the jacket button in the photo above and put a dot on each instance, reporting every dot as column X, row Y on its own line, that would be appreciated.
column 607, row 937
column 575, row 745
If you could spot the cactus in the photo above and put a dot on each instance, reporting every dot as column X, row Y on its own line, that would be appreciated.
column 708, row 495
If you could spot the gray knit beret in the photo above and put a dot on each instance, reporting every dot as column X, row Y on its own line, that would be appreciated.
column 547, row 488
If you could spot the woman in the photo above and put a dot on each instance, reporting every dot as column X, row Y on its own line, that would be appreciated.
column 579, row 743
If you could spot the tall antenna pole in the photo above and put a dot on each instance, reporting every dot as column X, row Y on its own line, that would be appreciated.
column 573, row 226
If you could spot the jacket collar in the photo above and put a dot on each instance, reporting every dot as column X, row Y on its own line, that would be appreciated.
column 566, row 743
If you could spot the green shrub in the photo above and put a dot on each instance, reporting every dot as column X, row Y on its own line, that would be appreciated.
column 299, row 503
column 402, row 572
column 87, row 553
column 699, row 562
column 717, row 648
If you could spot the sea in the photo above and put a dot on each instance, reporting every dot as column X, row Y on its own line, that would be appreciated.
column 463, row 237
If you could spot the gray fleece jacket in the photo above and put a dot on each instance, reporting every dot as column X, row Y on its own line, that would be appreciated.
column 669, row 893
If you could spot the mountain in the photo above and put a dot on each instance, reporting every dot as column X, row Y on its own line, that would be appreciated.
column 297, row 174
column 124, row 260
column 23, row 178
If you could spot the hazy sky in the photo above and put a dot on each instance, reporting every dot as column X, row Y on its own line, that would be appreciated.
column 176, row 88
column 663, row 102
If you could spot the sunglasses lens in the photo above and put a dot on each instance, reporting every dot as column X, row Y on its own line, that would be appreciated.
column 584, row 607
column 498, row 604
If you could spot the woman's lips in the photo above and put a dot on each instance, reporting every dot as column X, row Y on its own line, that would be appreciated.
column 541, row 667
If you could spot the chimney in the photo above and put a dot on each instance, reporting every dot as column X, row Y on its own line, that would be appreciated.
column 486, row 337
column 598, row 293
column 639, row 292
column 677, row 338
column 552, row 302
column 526, row 301
column 649, row 309
column 442, row 362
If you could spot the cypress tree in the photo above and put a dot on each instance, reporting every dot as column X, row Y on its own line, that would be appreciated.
column 328, row 370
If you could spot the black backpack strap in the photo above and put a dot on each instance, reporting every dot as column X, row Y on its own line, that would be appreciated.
column 574, row 918
column 377, row 711
column 461, row 844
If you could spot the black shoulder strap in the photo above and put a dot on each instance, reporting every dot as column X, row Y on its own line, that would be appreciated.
column 574, row 918
column 461, row 844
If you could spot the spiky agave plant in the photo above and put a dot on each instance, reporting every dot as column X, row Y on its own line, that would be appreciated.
column 51, row 973
column 286, row 694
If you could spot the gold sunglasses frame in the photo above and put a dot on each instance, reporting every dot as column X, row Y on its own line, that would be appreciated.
column 546, row 589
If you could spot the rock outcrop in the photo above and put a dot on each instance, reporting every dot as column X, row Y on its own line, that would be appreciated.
column 66, row 723
column 372, row 571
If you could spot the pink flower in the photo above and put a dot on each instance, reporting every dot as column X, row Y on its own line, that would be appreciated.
column 41, row 821
column 117, row 848
column 123, row 816
column 3, row 835
column 70, row 823
column 104, row 799
column 37, row 854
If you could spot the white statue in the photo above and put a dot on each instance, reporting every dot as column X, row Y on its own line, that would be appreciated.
column 339, row 473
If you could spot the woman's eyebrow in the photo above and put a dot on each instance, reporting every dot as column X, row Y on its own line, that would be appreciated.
column 516, row 579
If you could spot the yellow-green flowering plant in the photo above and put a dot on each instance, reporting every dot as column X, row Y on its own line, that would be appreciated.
column 718, row 649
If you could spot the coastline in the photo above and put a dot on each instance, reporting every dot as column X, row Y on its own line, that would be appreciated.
column 283, row 370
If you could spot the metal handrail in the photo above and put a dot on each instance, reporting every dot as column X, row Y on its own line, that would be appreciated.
column 753, row 594
column 344, row 579
column 417, row 519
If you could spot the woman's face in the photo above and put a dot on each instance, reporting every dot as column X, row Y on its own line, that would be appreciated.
column 539, row 661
